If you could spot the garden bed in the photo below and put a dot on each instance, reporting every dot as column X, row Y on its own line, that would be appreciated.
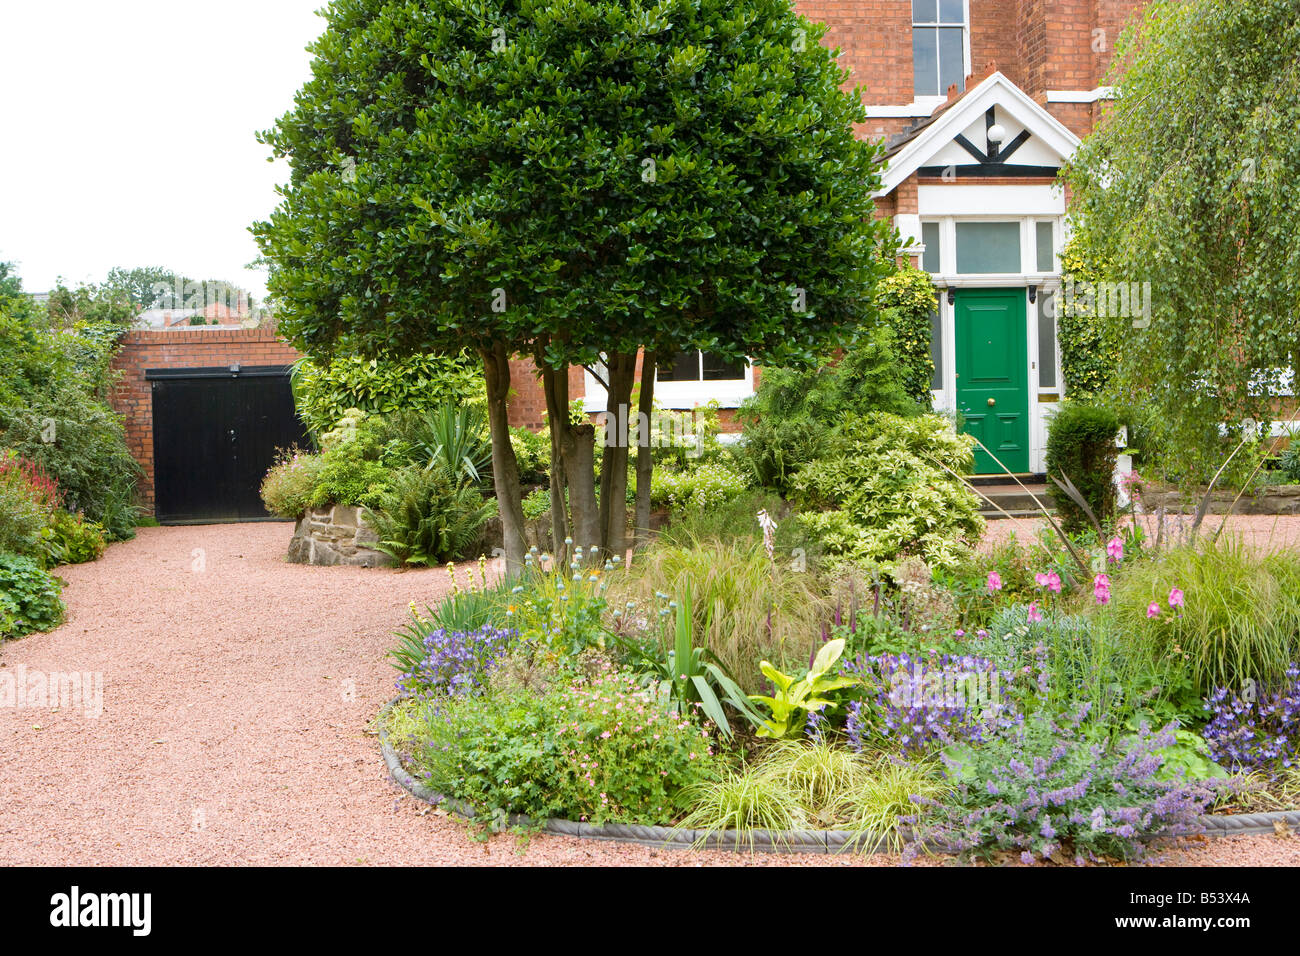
column 760, row 841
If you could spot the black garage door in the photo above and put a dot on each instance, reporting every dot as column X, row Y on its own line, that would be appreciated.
column 215, row 433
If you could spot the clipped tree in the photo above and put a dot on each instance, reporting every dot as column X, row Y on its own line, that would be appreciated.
column 575, row 182
column 1187, row 195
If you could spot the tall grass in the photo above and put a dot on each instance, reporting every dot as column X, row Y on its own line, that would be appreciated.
column 1242, row 615
column 747, row 608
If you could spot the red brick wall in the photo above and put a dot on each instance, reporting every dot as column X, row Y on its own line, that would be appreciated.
column 180, row 348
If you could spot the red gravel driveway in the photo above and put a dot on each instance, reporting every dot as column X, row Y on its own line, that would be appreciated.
column 238, row 692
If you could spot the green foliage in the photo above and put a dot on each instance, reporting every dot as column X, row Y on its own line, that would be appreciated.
column 424, row 516
column 1081, row 447
column 29, row 597
column 691, row 677
column 1241, row 619
column 290, row 484
column 54, row 412
column 1190, row 186
column 597, row 751
column 325, row 392
column 537, row 503
column 470, row 180
column 799, row 786
column 71, row 539
column 907, row 300
column 561, row 613
column 23, row 516
column 699, row 489
column 887, row 489
column 533, row 453
column 747, row 607
column 793, row 700
column 1290, row 462
column 789, row 420
column 454, row 439
column 1090, row 343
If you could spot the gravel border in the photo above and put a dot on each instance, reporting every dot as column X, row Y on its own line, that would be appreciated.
column 762, row 841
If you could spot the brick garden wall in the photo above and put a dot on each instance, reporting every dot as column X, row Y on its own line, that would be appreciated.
column 180, row 348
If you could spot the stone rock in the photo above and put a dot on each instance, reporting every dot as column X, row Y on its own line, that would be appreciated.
column 334, row 536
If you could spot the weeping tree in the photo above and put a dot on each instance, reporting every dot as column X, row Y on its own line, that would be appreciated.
column 577, row 182
column 1187, row 203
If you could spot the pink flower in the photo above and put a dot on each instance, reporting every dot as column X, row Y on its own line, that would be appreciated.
column 1153, row 610
column 1035, row 615
column 1176, row 598
column 995, row 582
column 1115, row 549
column 1050, row 580
column 1101, row 588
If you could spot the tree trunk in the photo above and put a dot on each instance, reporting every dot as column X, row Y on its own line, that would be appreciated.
column 644, row 453
column 559, row 507
column 505, row 469
column 575, row 446
column 613, row 470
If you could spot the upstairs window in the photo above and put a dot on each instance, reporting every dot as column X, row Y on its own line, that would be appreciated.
column 938, row 46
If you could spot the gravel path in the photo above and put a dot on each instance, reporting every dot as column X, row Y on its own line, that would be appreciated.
column 1261, row 531
column 237, row 694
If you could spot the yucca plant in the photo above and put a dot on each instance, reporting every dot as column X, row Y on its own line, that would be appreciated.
column 427, row 518
column 454, row 438
column 688, row 676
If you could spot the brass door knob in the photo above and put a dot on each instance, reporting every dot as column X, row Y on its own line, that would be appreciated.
column 992, row 402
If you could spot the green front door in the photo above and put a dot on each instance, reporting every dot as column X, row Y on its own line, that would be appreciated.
column 992, row 375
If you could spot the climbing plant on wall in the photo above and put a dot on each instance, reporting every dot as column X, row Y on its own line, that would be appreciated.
column 1089, row 344
column 906, row 301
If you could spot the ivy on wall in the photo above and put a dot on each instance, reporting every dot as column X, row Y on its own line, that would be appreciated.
column 906, row 301
column 1090, row 344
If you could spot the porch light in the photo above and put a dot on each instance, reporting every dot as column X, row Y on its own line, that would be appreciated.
column 1033, row 294
column 952, row 295
column 996, row 133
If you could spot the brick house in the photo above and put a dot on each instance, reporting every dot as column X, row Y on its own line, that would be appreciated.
column 980, row 102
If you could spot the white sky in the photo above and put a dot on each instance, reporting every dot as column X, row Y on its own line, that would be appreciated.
column 128, row 132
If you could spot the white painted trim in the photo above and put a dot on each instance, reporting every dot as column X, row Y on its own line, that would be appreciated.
column 728, row 393
column 998, row 91
column 919, row 108
column 984, row 201
column 1081, row 96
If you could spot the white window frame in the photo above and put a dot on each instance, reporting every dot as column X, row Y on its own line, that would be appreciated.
column 727, row 392
column 942, row 95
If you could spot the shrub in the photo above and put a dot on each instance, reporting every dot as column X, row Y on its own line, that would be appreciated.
column 1289, row 464
column 325, row 393
column 422, row 516
column 747, row 608
column 24, row 508
column 906, row 300
column 537, row 503
column 697, row 489
column 599, row 750
column 29, row 597
column 1081, row 447
column 289, row 487
column 533, row 453
column 71, row 539
column 888, row 489
column 789, row 419
column 1237, row 619
column 1054, row 788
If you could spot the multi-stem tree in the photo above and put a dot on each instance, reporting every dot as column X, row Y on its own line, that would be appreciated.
column 576, row 181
